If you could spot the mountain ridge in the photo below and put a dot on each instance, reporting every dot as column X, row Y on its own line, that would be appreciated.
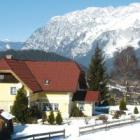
column 7, row 44
column 77, row 34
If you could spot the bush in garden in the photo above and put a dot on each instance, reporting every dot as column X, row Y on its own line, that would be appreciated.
column 122, row 105
column 59, row 119
column 35, row 112
column 51, row 118
column 44, row 117
column 111, row 101
column 104, row 118
column 76, row 112
column 136, row 110
column 133, row 117
column 117, row 114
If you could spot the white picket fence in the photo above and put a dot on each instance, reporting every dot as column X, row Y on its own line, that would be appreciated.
column 107, row 125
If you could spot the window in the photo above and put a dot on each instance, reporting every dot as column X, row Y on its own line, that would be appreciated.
column 13, row 91
column 47, row 82
column 81, row 106
column 50, row 106
column 47, row 107
column 55, row 107
column 1, row 77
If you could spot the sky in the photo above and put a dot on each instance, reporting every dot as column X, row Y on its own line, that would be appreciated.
column 20, row 18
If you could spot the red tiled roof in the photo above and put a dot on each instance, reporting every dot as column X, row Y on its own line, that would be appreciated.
column 62, row 76
column 22, row 71
column 4, row 65
column 92, row 96
column 88, row 96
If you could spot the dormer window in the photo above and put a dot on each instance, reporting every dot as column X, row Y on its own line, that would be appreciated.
column 47, row 82
column 1, row 76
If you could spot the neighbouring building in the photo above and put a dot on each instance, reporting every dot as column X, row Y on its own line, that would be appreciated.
column 49, row 85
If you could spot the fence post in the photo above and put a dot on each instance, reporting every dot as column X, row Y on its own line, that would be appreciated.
column 93, row 128
column 64, row 133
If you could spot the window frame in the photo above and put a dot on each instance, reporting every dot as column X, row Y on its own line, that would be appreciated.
column 1, row 76
column 50, row 106
column 13, row 90
column 81, row 106
column 55, row 107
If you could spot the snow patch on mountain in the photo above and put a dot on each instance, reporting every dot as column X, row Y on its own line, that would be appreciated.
column 76, row 34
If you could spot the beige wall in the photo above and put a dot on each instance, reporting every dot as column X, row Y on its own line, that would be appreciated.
column 88, row 108
column 6, row 98
column 61, row 98
column 64, row 99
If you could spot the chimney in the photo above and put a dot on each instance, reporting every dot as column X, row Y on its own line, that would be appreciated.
column 9, row 56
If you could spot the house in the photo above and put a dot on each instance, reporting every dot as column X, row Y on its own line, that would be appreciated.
column 49, row 85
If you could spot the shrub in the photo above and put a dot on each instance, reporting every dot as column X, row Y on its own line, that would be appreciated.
column 51, row 118
column 32, row 114
column 76, row 112
column 44, row 117
column 122, row 105
column 133, row 117
column 111, row 101
column 35, row 112
column 136, row 110
column 117, row 114
column 104, row 118
column 31, row 119
column 59, row 119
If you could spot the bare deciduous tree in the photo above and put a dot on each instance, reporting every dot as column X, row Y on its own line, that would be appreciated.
column 126, row 66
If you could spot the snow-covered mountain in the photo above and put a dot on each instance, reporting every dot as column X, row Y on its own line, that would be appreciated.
column 76, row 34
column 7, row 44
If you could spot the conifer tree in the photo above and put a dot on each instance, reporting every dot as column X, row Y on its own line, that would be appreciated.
column 20, row 107
column 97, row 76
column 122, row 105
column 75, row 111
column 51, row 118
column 59, row 119
column 136, row 110
column 44, row 117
